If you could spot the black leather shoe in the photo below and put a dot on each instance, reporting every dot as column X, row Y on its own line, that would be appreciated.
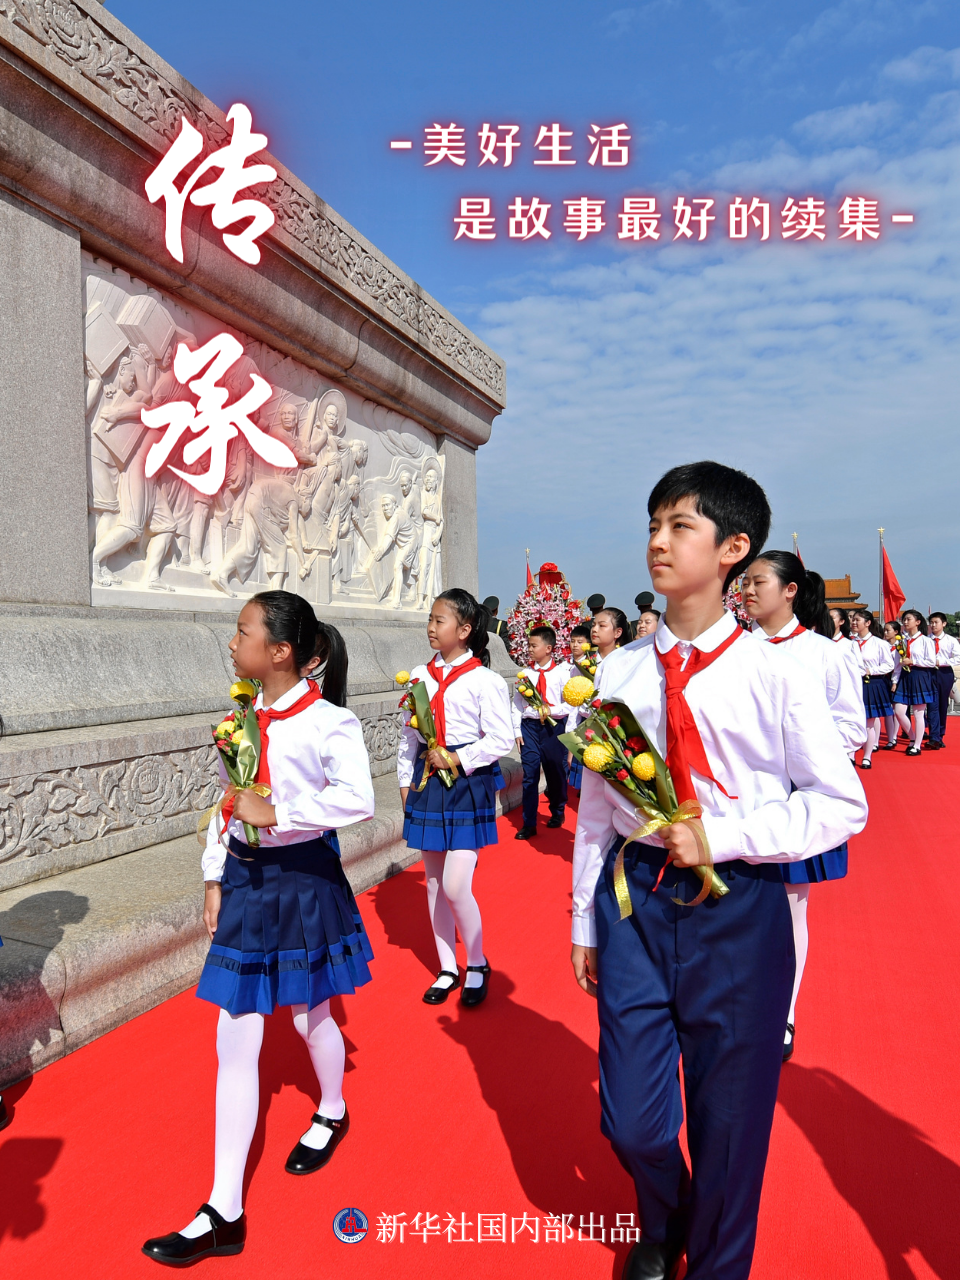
column 890, row 746
column 555, row 822
column 526, row 833
column 5, row 1116
column 866, row 764
column 649, row 1261
column 176, row 1250
column 304, row 1159
column 476, row 995
column 788, row 1046
column 912, row 751
column 437, row 995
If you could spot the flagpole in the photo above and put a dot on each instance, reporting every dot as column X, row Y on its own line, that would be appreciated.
column 883, row 606
column 795, row 544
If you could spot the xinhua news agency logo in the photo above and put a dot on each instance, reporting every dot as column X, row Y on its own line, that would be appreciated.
column 350, row 1226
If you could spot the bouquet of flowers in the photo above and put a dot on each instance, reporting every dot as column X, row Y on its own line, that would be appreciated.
column 237, row 738
column 547, row 603
column 532, row 694
column 417, row 702
column 586, row 664
column 612, row 743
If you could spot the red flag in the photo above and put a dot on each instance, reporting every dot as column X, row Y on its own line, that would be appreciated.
column 893, row 597
column 529, row 574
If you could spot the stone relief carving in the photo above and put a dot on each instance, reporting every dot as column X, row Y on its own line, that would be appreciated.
column 358, row 521
column 381, row 736
column 84, row 44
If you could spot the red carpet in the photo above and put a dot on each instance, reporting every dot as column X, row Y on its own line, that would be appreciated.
column 495, row 1111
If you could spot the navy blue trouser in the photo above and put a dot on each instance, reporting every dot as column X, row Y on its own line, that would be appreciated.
column 710, row 984
column 541, row 746
column 943, row 679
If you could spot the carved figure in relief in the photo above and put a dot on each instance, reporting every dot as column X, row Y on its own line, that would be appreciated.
column 351, row 518
column 287, row 430
column 270, row 518
column 319, row 485
column 398, row 536
column 431, row 510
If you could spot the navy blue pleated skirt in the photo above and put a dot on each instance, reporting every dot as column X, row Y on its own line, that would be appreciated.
column 917, row 686
column 289, row 930
column 877, row 698
column 831, row 865
column 463, row 816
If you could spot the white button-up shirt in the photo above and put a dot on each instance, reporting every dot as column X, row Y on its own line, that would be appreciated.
column 477, row 711
column 920, row 651
column 838, row 670
column 559, row 710
column 319, row 778
column 948, row 653
column 876, row 656
column 769, row 738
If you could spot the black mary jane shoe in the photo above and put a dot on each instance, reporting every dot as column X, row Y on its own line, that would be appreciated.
column 555, row 822
column 303, row 1159
column 889, row 746
column 866, row 764
column 912, row 751
column 649, row 1261
column 437, row 995
column 223, row 1239
column 471, row 996
column 788, row 1048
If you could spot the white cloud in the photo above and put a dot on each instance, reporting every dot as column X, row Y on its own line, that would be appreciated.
column 926, row 63
column 847, row 124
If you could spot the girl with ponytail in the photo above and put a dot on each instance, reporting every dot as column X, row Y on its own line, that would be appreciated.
column 876, row 661
column 471, row 712
column 282, row 919
column 788, row 607
column 916, row 687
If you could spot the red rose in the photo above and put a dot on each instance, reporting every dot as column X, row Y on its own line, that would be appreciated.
column 415, row 680
column 622, row 775
column 589, row 734
column 596, row 702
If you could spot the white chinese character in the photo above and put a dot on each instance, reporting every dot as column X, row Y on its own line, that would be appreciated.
column 463, row 1226
column 639, row 218
column 549, row 140
column 476, row 221
column 445, row 142
column 590, row 1227
column 584, row 217
column 608, row 143
column 389, row 1226
column 529, row 220
column 626, row 1231
column 741, row 216
column 213, row 422
column 492, row 1226
column 860, row 217
column 684, row 215
column 556, row 1228
column 489, row 143
column 429, row 1227
column 531, row 1224
column 808, row 218
column 222, row 192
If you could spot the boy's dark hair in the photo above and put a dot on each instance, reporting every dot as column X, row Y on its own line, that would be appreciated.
column 730, row 498
column 469, row 610
column 650, row 609
column 581, row 629
column 941, row 616
column 545, row 633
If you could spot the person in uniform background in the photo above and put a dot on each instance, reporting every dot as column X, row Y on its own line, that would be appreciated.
column 497, row 625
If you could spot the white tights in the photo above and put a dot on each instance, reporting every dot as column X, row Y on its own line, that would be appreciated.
column 238, row 1096
column 919, row 715
column 873, row 738
column 797, row 895
column 453, row 907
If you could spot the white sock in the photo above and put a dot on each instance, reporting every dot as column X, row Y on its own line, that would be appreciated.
column 441, row 917
column 238, row 1104
column 325, row 1046
column 873, row 737
column 797, row 895
column 919, row 715
column 891, row 723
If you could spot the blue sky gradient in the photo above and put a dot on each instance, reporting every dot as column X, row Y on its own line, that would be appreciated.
column 829, row 371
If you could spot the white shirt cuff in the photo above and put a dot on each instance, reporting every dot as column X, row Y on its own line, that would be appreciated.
column 584, row 931
column 723, row 836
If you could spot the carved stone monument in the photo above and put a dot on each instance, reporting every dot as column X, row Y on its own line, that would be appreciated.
column 130, row 538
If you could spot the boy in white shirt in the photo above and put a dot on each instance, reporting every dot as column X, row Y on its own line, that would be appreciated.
column 539, row 741
column 948, row 655
column 752, row 741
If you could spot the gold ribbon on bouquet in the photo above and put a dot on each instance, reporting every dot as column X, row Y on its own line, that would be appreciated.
column 689, row 812
column 429, row 771
column 211, row 814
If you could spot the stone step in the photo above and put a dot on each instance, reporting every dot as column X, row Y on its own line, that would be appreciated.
column 86, row 950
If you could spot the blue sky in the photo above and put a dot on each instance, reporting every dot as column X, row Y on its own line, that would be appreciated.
column 829, row 371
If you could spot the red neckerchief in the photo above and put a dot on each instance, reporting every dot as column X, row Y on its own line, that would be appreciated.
column 685, row 750
column 782, row 639
column 264, row 720
column 862, row 642
column 444, row 681
column 542, row 680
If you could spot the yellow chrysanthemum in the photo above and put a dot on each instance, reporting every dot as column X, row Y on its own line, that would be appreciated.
column 402, row 677
column 598, row 756
column 526, row 691
column 577, row 691
column 644, row 767
column 237, row 737
column 414, row 722
column 225, row 728
column 243, row 691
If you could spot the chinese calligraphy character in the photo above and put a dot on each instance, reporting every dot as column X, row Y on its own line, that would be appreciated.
column 584, row 217
column 556, row 1228
column 626, row 1231
column 489, row 143
column 213, row 422
column 742, row 215
column 684, row 215
column 445, row 142
column 519, row 1225
column 492, row 1226
column 429, row 1227
column 859, row 217
column 388, row 1227
column 590, row 1227
column 222, row 193
column 639, row 218
column 529, row 220
column 476, row 221
column 803, row 220
column 463, row 1226
column 610, row 146
column 549, row 140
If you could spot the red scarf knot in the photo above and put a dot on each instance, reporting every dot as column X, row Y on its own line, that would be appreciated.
column 444, row 681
